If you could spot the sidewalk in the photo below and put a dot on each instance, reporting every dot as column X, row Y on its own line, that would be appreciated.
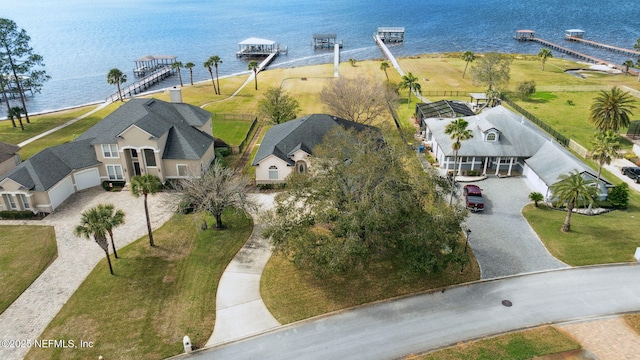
column 606, row 339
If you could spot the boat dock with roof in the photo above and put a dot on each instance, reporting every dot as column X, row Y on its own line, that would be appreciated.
column 326, row 41
column 256, row 47
column 391, row 34
column 150, row 63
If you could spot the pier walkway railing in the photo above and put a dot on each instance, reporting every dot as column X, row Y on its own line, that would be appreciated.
column 142, row 84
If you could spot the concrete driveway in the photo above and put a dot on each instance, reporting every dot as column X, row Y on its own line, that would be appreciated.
column 501, row 238
column 29, row 315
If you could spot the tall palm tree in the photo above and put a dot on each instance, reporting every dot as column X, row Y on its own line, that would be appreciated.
column 457, row 130
column 611, row 110
column 209, row 66
column 253, row 65
column 112, row 218
column 410, row 82
column 145, row 185
column 190, row 66
column 384, row 66
column 605, row 148
column 177, row 66
column 16, row 112
column 468, row 57
column 92, row 224
column 216, row 61
column 627, row 64
column 544, row 54
column 572, row 189
column 116, row 77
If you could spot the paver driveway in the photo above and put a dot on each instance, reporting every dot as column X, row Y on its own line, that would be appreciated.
column 29, row 315
column 501, row 237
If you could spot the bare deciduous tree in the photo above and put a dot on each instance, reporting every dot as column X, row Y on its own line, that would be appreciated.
column 359, row 99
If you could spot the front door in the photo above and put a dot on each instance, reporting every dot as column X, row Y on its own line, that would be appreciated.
column 136, row 168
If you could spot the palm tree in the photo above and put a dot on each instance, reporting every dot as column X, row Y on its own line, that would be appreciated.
column 190, row 66
column 384, row 66
column 605, row 148
column 573, row 190
column 627, row 64
column 208, row 65
column 253, row 65
column 116, row 77
column 112, row 218
column 16, row 112
column 410, row 82
column 468, row 57
column 216, row 60
column 458, row 131
column 177, row 66
column 544, row 54
column 92, row 224
column 611, row 110
column 536, row 197
column 145, row 185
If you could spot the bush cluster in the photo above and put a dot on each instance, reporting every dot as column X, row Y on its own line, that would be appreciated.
column 15, row 214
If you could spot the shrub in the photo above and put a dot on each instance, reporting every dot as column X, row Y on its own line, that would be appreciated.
column 619, row 196
column 113, row 185
column 15, row 214
column 570, row 102
column 265, row 186
column 222, row 152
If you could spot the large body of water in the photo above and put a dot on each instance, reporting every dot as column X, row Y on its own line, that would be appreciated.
column 81, row 40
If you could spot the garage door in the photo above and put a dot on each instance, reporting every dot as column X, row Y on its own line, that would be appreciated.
column 86, row 179
column 61, row 192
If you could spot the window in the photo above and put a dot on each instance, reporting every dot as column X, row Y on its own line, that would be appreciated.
column 182, row 170
column 273, row 172
column 115, row 172
column 24, row 201
column 11, row 202
column 149, row 157
column 134, row 153
column 110, row 150
column 492, row 136
column 301, row 167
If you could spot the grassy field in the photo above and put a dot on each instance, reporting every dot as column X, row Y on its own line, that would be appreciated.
column 515, row 346
column 25, row 252
column 231, row 131
column 157, row 296
column 293, row 294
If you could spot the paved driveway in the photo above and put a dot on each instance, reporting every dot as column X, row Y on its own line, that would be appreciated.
column 501, row 238
column 29, row 315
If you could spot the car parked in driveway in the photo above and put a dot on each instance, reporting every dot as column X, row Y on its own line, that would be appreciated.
column 473, row 198
column 632, row 171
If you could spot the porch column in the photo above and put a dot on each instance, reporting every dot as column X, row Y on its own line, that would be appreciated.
column 486, row 161
column 497, row 165
column 473, row 162
column 459, row 167
column 510, row 166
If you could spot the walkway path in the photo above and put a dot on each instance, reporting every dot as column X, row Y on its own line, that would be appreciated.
column 240, row 311
column 608, row 339
column 30, row 314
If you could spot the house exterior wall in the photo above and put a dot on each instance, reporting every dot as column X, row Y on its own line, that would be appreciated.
column 262, row 170
column 9, row 164
column 534, row 182
column 38, row 200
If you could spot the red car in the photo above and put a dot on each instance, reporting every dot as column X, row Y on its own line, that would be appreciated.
column 473, row 198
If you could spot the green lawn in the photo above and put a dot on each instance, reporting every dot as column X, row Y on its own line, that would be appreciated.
column 601, row 239
column 231, row 131
column 25, row 252
column 520, row 345
column 157, row 296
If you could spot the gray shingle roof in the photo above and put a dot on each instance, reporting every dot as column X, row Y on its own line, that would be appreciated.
column 552, row 160
column 151, row 115
column 7, row 151
column 517, row 138
column 302, row 133
column 46, row 168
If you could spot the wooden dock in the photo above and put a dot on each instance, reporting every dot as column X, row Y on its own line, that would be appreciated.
column 142, row 84
column 604, row 46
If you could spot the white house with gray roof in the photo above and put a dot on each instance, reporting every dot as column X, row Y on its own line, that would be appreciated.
column 143, row 136
column 287, row 147
column 505, row 143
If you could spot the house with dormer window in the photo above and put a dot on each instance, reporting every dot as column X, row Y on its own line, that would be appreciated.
column 505, row 144
column 170, row 140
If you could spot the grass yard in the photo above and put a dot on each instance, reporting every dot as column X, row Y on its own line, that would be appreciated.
column 157, row 296
column 523, row 345
column 601, row 239
column 39, row 124
column 25, row 252
column 231, row 131
column 292, row 294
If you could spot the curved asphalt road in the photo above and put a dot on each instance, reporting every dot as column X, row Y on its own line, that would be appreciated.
column 419, row 323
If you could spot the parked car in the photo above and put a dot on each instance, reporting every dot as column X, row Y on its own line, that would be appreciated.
column 473, row 198
column 632, row 172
